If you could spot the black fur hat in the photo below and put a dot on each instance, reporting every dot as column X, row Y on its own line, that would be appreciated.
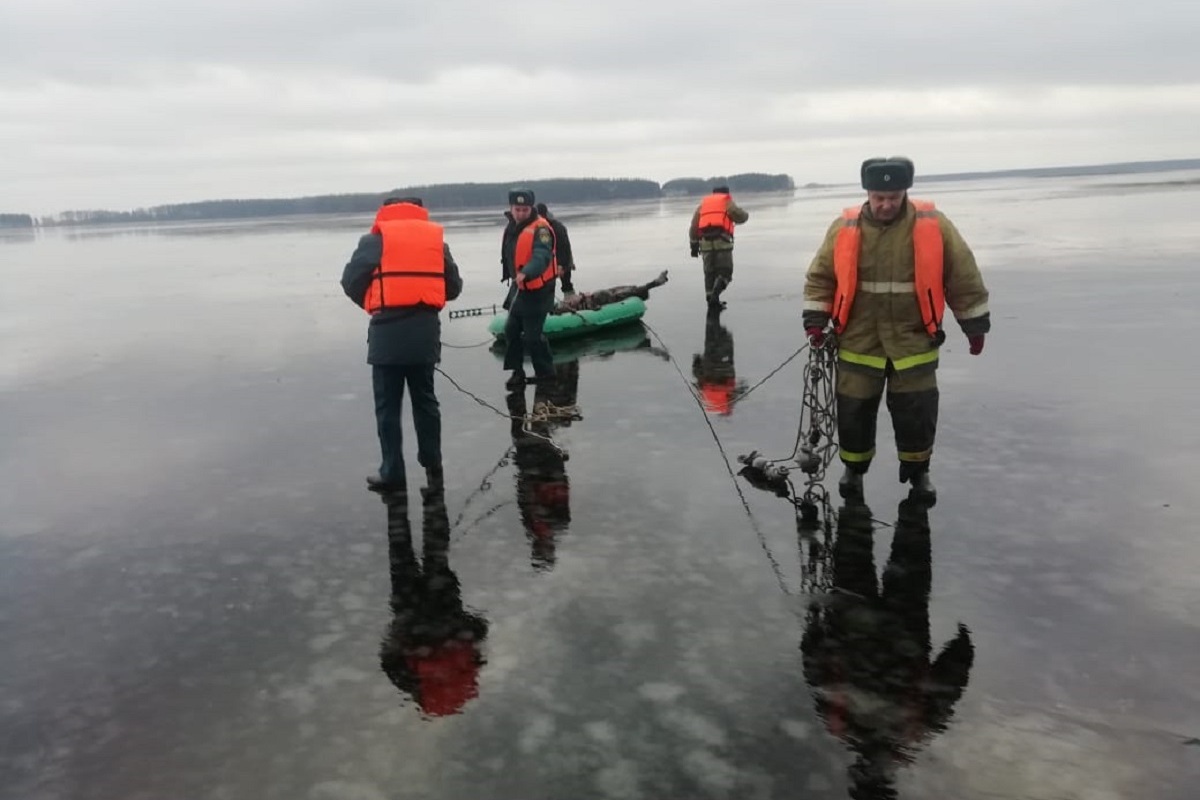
column 892, row 174
column 520, row 197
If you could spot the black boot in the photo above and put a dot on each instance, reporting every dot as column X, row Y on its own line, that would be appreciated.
column 922, row 488
column 851, row 484
column 719, row 286
column 916, row 475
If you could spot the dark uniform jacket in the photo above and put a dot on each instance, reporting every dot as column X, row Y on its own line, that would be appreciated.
column 539, row 300
column 397, row 336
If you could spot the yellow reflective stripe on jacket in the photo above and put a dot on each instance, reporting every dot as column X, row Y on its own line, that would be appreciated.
column 881, row 362
column 857, row 458
column 921, row 456
column 920, row 359
column 875, row 362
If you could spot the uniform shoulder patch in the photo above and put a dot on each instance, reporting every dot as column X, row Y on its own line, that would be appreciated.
column 544, row 235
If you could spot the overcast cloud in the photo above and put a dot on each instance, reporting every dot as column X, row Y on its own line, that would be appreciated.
column 125, row 103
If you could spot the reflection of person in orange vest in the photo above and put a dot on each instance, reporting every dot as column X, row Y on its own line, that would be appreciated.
column 868, row 655
column 543, row 490
column 714, row 370
column 432, row 650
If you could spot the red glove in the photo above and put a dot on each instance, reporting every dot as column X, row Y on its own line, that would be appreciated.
column 976, row 343
column 815, row 335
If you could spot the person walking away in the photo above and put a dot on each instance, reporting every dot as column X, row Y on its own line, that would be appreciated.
column 402, row 273
column 711, row 236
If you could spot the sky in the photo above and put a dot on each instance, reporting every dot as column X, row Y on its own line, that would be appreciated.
column 121, row 104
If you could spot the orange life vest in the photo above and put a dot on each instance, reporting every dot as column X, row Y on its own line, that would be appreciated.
column 927, row 262
column 713, row 214
column 412, row 270
column 524, row 251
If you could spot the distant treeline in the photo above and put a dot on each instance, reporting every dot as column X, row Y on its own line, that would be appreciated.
column 1084, row 170
column 746, row 182
column 442, row 196
column 16, row 221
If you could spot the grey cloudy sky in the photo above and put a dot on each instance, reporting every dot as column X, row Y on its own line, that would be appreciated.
column 125, row 103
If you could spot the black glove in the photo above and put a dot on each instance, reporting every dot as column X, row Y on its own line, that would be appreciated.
column 695, row 249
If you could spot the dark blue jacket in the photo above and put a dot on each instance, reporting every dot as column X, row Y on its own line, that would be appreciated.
column 397, row 336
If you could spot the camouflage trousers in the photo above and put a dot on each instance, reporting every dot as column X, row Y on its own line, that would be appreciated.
column 717, row 263
column 912, row 402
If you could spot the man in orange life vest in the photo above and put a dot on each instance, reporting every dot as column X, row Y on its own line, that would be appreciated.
column 527, row 259
column 883, row 277
column 711, row 234
column 402, row 274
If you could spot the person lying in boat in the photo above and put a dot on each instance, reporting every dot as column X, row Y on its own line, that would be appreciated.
column 590, row 301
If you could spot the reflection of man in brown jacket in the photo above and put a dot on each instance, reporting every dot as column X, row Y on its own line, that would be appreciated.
column 868, row 652
column 711, row 234
column 883, row 277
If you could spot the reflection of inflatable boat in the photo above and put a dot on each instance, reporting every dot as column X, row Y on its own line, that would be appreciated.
column 582, row 323
column 599, row 344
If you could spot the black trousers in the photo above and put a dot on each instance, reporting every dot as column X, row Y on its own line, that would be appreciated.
column 523, row 337
column 912, row 401
column 389, row 382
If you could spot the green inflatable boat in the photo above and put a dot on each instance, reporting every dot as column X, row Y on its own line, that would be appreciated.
column 581, row 323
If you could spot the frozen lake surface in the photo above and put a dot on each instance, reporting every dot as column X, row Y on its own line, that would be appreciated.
column 194, row 582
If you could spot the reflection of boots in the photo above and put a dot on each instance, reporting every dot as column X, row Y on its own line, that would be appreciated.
column 435, row 480
column 516, row 380
column 851, row 484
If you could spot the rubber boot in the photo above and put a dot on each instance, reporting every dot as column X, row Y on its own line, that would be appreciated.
column 922, row 488
column 714, row 301
column 916, row 475
column 851, row 484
